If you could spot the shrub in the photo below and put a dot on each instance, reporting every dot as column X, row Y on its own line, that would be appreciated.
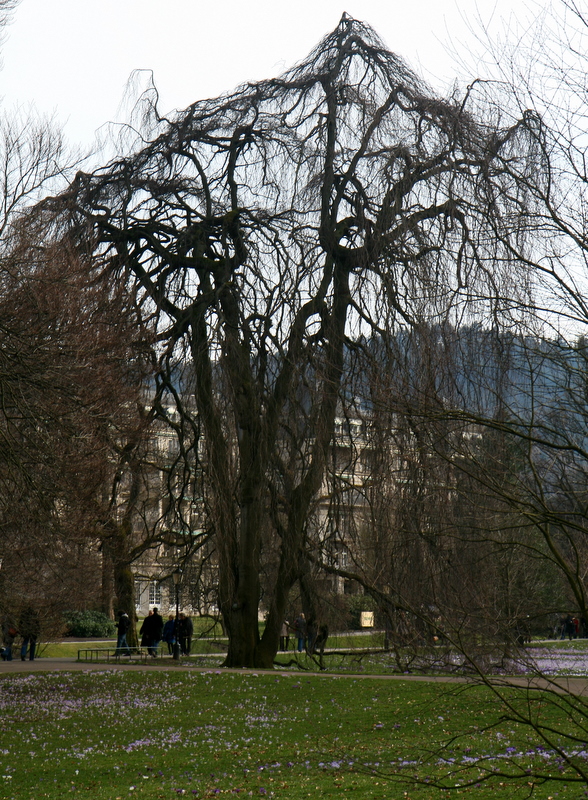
column 89, row 623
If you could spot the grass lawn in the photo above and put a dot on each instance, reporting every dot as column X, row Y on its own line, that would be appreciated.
column 113, row 734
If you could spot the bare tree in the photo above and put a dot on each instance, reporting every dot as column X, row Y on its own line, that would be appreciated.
column 517, row 390
column 68, row 398
column 540, row 409
column 74, row 427
column 70, row 368
column 268, row 230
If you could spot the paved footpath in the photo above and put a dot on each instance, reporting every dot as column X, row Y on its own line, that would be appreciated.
column 575, row 686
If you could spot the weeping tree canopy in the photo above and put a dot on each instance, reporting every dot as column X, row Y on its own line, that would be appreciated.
column 267, row 233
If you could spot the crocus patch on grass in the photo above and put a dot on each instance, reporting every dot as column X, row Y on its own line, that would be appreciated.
column 113, row 734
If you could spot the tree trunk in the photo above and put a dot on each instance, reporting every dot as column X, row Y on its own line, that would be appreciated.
column 124, row 582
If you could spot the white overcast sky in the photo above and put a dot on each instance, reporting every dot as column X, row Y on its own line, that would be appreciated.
column 73, row 58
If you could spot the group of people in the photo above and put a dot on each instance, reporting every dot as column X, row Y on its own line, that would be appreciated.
column 28, row 629
column 182, row 636
column 153, row 631
column 309, row 637
column 573, row 628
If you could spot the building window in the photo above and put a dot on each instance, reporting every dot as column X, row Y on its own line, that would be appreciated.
column 154, row 593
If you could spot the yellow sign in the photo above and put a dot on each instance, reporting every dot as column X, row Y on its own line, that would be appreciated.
column 367, row 619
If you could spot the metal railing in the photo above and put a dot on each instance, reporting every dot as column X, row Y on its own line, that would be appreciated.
column 111, row 655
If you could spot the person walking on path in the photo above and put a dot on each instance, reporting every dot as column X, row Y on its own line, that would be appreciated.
column 569, row 629
column 285, row 635
column 122, row 629
column 185, row 632
column 300, row 626
column 30, row 628
column 144, row 631
column 169, row 634
column 152, row 630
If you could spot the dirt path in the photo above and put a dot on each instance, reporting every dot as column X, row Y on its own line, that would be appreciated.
column 575, row 686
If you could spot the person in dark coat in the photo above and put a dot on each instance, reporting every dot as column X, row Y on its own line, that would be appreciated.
column 154, row 631
column 569, row 627
column 124, row 623
column 30, row 628
column 144, row 631
column 169, row 634
column 185, row 632
column 300, row 628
